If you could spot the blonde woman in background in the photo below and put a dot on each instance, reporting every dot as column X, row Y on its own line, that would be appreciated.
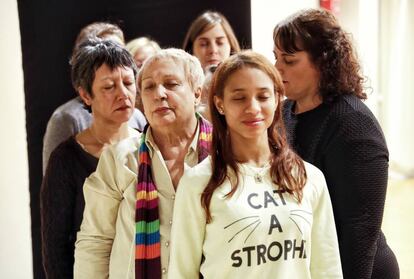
column 141, row 48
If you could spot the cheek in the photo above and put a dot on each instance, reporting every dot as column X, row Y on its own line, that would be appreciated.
column 198, row 52
column 225, row 51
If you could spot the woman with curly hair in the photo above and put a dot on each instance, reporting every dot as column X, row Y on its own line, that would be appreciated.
column 263, row 213
column 329, row 126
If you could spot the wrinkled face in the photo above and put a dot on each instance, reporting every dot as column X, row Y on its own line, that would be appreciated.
column 113, row 95
column 212, row 46
column 248, row 104
column 300, row 76
column 167, row 96
column 143, row 53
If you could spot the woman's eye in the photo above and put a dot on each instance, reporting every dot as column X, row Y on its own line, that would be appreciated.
column 148, row 86
column 171, row 85
column 289, row 62
column 108, row 87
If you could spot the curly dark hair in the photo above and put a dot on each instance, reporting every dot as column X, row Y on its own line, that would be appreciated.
column 330, row 48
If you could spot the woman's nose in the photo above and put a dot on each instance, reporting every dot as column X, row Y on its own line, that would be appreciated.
column 214, row 47
column 160, row 92
column 253, row 106
column 278, row 66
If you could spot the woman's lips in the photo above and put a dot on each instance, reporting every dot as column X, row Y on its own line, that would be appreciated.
column 213, row 62
column 162, row 109
column 124, row 107
column 252, row 122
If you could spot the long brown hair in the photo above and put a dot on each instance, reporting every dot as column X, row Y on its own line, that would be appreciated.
column 330, row 48
column 287, row 169
column 205, row 22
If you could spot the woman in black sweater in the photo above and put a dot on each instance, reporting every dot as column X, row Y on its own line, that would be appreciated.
column 329, row 126
column 104, row 75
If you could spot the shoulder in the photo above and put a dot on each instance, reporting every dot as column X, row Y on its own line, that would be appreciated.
column 72, row 108
column 354, row 121
column 66, row 148
column 315, row 180
column 64, row 158
column 121, row 159
column 124, row 148
column 197, row 177
column 351, row 111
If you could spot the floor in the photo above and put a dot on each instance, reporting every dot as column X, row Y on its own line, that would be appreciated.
column 398, row 224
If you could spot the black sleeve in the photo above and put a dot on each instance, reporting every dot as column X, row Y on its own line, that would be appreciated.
column 58, row 197
column 356, row 169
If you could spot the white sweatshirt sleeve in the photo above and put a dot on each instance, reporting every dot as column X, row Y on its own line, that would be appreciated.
column 325, row 257
column 188, row 229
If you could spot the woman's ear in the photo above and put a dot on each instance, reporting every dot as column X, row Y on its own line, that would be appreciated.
column 85, row 96
column 218, row 102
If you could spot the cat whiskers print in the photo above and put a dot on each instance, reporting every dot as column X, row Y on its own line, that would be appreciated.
column 251, row 220
column 295, row 213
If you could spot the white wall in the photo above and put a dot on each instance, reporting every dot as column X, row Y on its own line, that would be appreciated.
column 360, row 18
column 15, row 237
column 265, row 15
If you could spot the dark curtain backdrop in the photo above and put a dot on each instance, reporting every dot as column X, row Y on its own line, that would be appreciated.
column 48, row 30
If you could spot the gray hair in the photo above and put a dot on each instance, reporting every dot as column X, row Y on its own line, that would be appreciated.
column 191, row 65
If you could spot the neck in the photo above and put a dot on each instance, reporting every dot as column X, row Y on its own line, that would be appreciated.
column 108, row 133
column 255, row 152
column 181, row 135
column 308, row 103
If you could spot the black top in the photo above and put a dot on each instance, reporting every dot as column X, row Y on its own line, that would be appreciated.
column 345, row 141
column 62, row 205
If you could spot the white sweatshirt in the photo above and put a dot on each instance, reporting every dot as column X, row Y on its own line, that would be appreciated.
column 260, row 232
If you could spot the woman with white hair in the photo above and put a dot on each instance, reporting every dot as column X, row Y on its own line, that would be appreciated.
column 129, row 200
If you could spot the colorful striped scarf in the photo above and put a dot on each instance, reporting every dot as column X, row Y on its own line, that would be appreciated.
column 147, row 237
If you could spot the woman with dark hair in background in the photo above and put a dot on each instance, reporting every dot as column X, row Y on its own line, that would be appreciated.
column 104, row 75
column 263, row 212
column 211, row 39
column 330, row 127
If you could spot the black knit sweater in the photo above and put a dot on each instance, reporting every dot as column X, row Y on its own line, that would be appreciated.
column 345, row 141
column 62, row 205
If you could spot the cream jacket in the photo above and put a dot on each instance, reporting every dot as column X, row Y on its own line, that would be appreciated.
column 105, row 245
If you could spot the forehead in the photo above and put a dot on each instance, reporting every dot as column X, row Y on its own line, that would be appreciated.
column 216, row 31
column 105, row 71
column 163, row 67
column 249, row 77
